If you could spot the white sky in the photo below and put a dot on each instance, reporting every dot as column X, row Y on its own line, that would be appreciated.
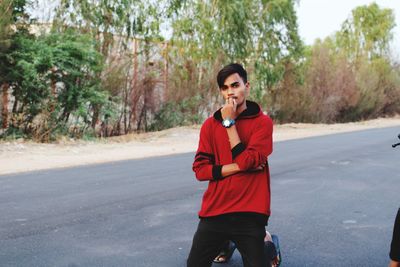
column 321, row 18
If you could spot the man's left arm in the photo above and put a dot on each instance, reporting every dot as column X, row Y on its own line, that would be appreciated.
column 258, row 148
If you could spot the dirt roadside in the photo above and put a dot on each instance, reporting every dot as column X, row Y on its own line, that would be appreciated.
column 21, row 156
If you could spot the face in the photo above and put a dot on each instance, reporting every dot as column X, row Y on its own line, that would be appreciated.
column 234, row 87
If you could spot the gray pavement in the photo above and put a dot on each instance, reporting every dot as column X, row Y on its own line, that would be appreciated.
column 334, row 202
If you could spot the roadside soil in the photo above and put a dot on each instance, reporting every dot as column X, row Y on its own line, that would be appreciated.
column 21, row 156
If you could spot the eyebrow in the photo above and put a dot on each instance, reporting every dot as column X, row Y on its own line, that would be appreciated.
column 232, row 84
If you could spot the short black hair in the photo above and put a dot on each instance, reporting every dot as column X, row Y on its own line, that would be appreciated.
column 230, row 69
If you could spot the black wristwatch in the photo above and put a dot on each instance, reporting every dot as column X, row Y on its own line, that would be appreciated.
column 228, row 122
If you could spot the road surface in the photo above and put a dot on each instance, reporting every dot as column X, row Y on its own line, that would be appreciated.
column 334, row 202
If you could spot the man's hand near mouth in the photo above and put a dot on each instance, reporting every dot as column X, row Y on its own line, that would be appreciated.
column 228, row 111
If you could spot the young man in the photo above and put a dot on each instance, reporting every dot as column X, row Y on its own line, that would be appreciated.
column 232, row 156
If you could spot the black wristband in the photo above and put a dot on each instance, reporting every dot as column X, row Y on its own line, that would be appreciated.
column 217, row 172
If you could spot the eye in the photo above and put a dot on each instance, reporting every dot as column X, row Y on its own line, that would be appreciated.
column 235, row 85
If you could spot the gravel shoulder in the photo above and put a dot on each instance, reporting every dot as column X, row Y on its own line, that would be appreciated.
column 21, row 156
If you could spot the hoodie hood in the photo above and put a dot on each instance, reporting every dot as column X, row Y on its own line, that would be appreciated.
column 253, row 110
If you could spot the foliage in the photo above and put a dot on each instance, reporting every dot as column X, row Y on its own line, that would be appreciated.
column 105, row 69
column 105, row 19
column 330, row 83
column 12, row 13
column 113, row 24
column 260, row 34
column 350, row 76
column 51, row 77
column 5, row 23
column 181, row 113
column 367, row 32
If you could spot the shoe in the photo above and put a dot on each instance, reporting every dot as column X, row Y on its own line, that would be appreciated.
column 226, row 253
column 278, row 259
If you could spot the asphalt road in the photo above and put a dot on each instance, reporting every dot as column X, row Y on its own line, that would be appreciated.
column 334, row 203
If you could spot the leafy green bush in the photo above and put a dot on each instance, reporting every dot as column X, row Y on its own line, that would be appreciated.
column 54, row 78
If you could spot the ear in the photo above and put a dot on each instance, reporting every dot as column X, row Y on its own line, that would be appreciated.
column 247, row 86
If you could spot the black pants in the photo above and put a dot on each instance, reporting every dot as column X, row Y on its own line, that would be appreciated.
column 395, row 246
column 248, row 235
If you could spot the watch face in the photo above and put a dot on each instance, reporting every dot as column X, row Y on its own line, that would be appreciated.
column 227, row 123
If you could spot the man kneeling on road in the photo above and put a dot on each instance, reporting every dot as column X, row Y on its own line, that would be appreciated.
column 232, row 156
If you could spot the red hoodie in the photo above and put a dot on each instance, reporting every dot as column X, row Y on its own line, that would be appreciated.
column 245, row 191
